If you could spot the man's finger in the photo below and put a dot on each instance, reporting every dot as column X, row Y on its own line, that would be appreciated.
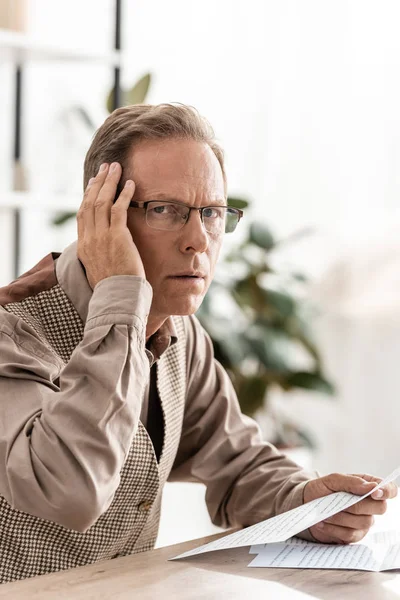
column 385, row 492
column 328, row 534
column 345, row 519
column 85, row 216
column 368, row 506
column 119, row 209
column 368, row 477
column 337, row 482
column 94, row 186
column 106, row 195
column 379, row 493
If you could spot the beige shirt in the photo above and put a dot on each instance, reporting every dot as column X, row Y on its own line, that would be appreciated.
column 65, row 431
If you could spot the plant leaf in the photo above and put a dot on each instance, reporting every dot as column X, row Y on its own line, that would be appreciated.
column 251, row 392
column 270, row 346
column 310, row 381
column 248, row 293
column 237, row 202
column 62, row 218
column 297, row 329
column 261, row 236
column 283, row 304
column 233, row 346
column 138, row 92
column 135, row 95
column 300, row 277
column 85, row 116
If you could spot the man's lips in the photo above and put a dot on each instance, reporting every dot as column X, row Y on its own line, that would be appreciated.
column 191, row 274
column 190, row 280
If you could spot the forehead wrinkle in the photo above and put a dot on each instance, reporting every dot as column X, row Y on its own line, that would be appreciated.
column 185, row 189
column 168, row 174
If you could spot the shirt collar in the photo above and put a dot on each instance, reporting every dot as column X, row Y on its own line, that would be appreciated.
column 71, row 276
column 162, row 339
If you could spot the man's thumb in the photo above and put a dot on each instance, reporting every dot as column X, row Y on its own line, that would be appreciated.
column 349, row 483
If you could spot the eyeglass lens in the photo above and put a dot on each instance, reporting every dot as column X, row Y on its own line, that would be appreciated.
column 171, row 216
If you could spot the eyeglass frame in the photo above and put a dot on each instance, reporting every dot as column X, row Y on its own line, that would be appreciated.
column 136, row 204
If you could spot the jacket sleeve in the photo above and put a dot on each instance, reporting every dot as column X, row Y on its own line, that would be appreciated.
column 62, row 447
column 248, row 480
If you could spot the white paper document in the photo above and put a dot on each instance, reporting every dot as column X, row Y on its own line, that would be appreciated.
column 288, row 524
column 294, row 541
column 377, row 552
column 381, row 537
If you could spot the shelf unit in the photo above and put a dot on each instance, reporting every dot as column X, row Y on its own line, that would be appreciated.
column 46, row 201
column 19, row 48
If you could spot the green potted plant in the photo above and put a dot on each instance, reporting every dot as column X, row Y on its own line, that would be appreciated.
column 259, row 324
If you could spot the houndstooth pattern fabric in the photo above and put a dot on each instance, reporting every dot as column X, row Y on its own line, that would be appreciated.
column 32, row 546
column 53, row 318
column 171, row 384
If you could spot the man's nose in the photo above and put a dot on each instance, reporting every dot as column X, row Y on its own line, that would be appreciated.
column 194, row 237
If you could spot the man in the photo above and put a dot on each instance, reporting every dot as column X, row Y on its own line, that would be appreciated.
column 108, row 384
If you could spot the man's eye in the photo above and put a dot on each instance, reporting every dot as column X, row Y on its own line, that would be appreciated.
column 166, row 210
column 211, row 213
column 159, row 209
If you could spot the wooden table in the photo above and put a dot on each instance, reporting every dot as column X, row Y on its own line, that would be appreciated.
column 214, row 576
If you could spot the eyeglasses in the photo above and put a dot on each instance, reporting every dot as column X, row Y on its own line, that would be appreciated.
column 172, row 216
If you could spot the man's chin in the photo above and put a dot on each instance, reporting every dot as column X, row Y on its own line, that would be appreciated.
column 185, row 311
column 184, row 306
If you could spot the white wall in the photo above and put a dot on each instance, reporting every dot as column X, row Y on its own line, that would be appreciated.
column 304, row 97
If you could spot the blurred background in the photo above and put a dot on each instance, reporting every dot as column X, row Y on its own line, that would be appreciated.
column 304, row 97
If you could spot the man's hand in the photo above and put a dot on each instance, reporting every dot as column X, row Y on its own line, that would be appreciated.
column 105, row 245
column 352, row 524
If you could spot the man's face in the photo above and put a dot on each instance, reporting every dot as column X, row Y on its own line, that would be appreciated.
column 184, row 171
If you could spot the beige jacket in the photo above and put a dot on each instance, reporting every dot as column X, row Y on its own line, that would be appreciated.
column 79, row 480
